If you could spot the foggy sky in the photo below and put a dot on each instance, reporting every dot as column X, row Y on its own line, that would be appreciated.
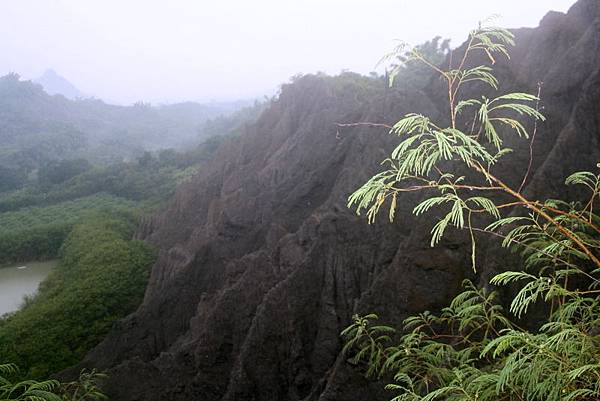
column 167, row 51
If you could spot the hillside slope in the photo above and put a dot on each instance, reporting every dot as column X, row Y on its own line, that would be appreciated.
column 262, row 265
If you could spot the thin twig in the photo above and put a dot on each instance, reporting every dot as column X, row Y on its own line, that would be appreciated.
column 414, row 188
column 368, row 124
column 535, row 124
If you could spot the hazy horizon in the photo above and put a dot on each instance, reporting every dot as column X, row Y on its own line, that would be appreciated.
column 203, row 51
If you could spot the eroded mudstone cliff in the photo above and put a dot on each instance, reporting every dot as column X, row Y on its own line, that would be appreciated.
column 262, row 265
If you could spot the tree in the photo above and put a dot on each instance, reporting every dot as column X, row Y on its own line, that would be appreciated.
column 474, row 349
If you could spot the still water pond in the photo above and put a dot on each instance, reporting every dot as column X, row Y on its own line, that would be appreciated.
column 19, row 280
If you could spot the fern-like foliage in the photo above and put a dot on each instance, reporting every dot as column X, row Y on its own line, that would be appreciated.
column 27, row 390
column 84, row 389
column 474, row 349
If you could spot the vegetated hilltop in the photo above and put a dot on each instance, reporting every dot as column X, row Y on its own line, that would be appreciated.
column 261, row 263
column 36, row 128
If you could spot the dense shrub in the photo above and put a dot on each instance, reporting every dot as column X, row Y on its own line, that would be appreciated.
column 38, row 232
column 85, row 388
column 101, row 278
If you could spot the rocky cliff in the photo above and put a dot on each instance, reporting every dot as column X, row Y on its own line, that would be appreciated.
column 262, row 265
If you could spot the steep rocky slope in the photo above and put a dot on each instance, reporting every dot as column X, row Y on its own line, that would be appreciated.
column 262, row 265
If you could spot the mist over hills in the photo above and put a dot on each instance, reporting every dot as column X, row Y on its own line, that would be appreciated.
column 55, row 84
column 36, row 127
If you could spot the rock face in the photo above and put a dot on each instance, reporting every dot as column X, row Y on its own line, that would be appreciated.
column 262, row 265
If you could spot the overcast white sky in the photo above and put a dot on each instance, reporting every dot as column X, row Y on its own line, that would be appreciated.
column 168, row 51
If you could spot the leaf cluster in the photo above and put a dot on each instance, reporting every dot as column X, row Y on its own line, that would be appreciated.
column 83, row 389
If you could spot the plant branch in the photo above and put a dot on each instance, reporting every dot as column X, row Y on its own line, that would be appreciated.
column 532, row 205
column 369, row 124
column 535, row 125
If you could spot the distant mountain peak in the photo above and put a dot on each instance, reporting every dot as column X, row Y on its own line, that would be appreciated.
column 55, row 84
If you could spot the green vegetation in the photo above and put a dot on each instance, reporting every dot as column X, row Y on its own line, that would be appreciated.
column 101, row 278
column 474, row 349
column 144, row 180
column 35, row 221
column 28, row 390
column 84, row 389
column 69, row 211
column 58, row 171
column 39, row 232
